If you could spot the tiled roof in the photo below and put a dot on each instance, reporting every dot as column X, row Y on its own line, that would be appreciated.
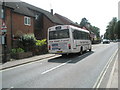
column 46, row 13
column 25, row 9
column 18, row 7
column 65, row 20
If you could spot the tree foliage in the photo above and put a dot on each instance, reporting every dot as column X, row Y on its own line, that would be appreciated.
column 96, row 31
column 112, row 30
column 117, row 30
column 27, row 42
column 84, row 23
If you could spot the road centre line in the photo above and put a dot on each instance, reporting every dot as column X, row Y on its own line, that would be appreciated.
column 60, row 65
column 55, row 67
column 102, row 74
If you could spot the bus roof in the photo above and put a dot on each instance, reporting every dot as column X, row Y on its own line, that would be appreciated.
column 66, row 27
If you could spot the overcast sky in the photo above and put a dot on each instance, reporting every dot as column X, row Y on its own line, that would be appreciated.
column 98, row 12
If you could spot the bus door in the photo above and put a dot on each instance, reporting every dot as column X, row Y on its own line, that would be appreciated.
column 74, row 40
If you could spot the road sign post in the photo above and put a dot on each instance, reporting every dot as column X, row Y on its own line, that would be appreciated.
column 4, row 41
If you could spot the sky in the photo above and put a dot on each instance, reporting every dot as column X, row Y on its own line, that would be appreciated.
column 98, row 12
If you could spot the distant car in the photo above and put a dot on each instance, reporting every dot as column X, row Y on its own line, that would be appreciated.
column 106, row 41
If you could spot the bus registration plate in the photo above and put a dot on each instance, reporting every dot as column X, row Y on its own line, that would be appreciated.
column 59, row 51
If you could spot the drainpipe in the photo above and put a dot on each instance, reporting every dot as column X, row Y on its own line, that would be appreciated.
column 11, row 28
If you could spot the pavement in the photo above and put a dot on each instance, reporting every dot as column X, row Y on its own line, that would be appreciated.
column 13, row 63
column 112, row 83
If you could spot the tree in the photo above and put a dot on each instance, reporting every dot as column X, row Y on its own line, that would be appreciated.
column 110, row 31
column 96, row 31
column 84, row 22
column 117, row 30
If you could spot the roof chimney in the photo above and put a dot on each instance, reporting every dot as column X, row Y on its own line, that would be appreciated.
column 52, row 11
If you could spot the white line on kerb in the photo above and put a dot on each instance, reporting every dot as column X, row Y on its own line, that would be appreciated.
column 27, row 64
column 19, row 66
column 10, row 88
column 102, row 74
column 111, row 74
column 55, row 67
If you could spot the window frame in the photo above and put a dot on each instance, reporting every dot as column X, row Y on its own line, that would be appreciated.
column 27, row 21
column 80, row 35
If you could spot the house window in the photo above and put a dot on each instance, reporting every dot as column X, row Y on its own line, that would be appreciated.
column 27, row 20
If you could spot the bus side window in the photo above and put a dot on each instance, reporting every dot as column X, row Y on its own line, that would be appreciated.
column 74, row 34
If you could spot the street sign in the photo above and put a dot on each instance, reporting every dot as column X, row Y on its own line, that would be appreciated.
column 2, row 39
column 3, row 30
column 4, row 27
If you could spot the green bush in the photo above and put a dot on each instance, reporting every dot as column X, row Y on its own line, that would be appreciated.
column 27, row 42
column 41, row 46
column 13, row 51
column 17, row 50
column 41, row 42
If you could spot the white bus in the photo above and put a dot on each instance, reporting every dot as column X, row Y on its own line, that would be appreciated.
column 65, row 39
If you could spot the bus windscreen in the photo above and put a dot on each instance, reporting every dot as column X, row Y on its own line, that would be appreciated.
column 59, row 34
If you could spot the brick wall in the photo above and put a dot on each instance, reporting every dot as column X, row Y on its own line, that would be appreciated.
column 15, row 25
column 46, row 24
column 18, row 25
column 8, row 24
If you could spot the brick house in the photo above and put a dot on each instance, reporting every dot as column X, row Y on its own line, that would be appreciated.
column 22, row 18
column 43, row 20
column 19, row 20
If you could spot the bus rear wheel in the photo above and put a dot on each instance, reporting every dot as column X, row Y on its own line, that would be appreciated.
column 81, row 51
column 90, row 49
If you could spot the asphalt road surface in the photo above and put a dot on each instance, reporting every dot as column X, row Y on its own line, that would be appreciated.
column 74, row 71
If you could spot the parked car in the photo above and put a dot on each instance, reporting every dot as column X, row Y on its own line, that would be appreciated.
column 106, row 41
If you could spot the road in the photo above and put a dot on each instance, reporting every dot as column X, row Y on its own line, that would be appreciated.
column 74, row 71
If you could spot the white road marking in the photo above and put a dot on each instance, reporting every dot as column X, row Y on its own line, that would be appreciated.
column 55, row 67
column 111, row 75
column 28, row 63
column 18, row 66
column 102, row 74
column 10, row 88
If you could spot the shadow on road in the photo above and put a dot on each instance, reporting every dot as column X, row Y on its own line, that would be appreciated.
column 73, row 57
